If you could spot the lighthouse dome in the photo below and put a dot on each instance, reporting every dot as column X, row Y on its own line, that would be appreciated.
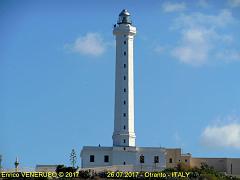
column 124, row 17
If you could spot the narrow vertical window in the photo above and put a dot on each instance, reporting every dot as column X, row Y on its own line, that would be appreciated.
column 156, row 159
column 124, row 89
column 91, row 158
column 170, row 160
column 125, row 42
column 124, row 102
column 124, row 127
column 106, row 158
column 124, row 77
column 124, row 114
column 124, row 141
column 124, row 65
column 142, row 159
column 124, row 53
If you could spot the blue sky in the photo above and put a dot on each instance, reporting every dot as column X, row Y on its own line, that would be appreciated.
column 57, row 63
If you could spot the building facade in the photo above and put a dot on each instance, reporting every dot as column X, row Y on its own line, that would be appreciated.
column 124, row 152
column 137, row 158
column 230, row 166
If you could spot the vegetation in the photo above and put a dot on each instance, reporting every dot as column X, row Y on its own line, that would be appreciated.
column 73, row 158
column 62, row 168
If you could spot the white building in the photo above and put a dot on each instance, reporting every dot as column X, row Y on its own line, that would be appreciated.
column 124, row 152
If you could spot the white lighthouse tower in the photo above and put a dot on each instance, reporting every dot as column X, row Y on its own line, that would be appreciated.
column 124, row 134
column 124, row 155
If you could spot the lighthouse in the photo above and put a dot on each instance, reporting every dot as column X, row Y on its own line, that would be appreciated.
column 124, row 32
column 124, row 155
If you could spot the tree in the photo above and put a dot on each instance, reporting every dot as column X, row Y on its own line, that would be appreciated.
column 73, row 158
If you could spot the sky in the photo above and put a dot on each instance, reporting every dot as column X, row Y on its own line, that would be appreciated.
column 57, row 75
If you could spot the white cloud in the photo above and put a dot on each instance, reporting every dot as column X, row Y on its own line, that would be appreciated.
column 222, row 19
column 222, row 136
column 194, row 47
column 173, row 7
column 91, row 44
column 234, row 3
column 187, row 55
column 200, row 36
